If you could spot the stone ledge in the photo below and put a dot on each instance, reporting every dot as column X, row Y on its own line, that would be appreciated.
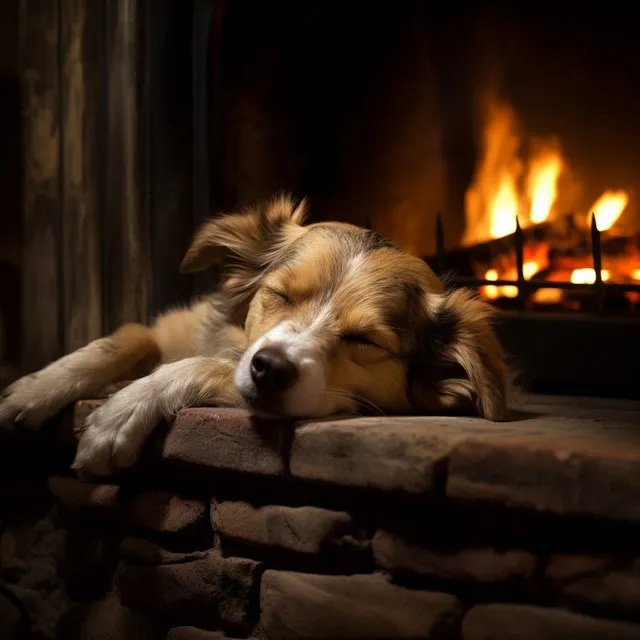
column 566, row 477
column 299, row 513
column 571, row 460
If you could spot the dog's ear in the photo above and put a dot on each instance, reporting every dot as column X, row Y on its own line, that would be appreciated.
column 248, row 241
column 457, row 361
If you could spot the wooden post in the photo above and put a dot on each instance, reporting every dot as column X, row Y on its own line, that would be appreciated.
column 81, row 94
column 42, row 335
column 125, row 227
column 106, row 92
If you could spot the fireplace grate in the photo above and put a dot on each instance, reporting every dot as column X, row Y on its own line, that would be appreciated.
column 598, row 288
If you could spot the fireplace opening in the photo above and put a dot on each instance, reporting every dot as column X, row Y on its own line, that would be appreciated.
column 497, row 142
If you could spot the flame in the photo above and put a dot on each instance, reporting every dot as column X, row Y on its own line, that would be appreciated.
column 495, row 200
column 504, row 209
column 542, row 184
column 492, row 200
column 507, row 189
column 608, row 208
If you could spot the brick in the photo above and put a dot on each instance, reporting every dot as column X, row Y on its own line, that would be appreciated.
column 167, row 513
column 298, row 605
column 306, row 530
column 392, row 454
column 158, row 510
column 566, row 477
column 605, row 583
column 225, row 439
column 100, row 499
column 524, row 622
column 143, row 552
column 106, row 619
column 485, row 565
column 208, row 592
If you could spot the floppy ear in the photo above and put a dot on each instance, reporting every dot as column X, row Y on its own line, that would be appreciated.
column 244, row 244
column 247, row 238
column 459, row 358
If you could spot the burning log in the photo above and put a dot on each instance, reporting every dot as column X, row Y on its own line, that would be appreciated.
column 566, row 241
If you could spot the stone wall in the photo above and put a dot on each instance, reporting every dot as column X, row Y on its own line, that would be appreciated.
column 362, row 528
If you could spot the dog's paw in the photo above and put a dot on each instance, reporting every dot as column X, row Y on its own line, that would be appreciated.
column 115, row 433
column 31, row 401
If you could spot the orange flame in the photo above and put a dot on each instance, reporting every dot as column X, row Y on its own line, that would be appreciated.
column 499, row 197
column 542, row 184
column 609, row 207
column 492, row 200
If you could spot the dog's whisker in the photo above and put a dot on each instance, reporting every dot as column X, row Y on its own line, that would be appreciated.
column 352, row 395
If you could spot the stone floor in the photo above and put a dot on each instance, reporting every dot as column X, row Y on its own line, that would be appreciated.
column 414, row 527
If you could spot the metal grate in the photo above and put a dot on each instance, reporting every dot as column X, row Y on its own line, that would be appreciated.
column 599, row 288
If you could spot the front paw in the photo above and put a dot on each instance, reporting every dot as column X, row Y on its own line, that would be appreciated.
column 115, row 433
column 32, row 400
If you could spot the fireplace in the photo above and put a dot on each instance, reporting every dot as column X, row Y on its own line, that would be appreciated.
column 455, row 133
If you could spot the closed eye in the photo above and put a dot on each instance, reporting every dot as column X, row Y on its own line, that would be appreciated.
column 358, row 338
column 276, row 293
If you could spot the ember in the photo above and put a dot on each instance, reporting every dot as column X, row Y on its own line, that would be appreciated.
column 511, row 188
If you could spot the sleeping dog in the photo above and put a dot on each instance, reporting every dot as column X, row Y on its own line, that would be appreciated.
column 308, row 321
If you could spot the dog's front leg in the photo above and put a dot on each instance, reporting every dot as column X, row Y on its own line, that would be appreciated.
column 115, row 433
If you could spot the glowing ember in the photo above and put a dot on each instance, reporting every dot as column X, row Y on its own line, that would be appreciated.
column 529, row 269
column 588, row 276
column 547, row 296
column 608, row 208
column 635, row 274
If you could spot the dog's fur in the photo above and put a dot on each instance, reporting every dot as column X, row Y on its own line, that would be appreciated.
column 364, row 326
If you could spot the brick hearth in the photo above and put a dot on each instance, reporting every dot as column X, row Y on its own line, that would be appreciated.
column 420, row 527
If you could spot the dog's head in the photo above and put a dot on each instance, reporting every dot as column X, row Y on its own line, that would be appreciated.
column 339, row 319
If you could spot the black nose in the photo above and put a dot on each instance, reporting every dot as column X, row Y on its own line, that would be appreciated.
column 272, row 371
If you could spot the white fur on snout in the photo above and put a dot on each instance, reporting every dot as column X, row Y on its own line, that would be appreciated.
column 302, row 346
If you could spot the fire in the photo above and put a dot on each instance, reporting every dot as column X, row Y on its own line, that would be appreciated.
column 496, row 197
column 504, row 209
column 492, row 202
column 608, row 208
column 542, row 184
column 509, row 187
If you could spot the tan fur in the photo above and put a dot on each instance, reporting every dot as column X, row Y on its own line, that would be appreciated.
column 373, row 325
